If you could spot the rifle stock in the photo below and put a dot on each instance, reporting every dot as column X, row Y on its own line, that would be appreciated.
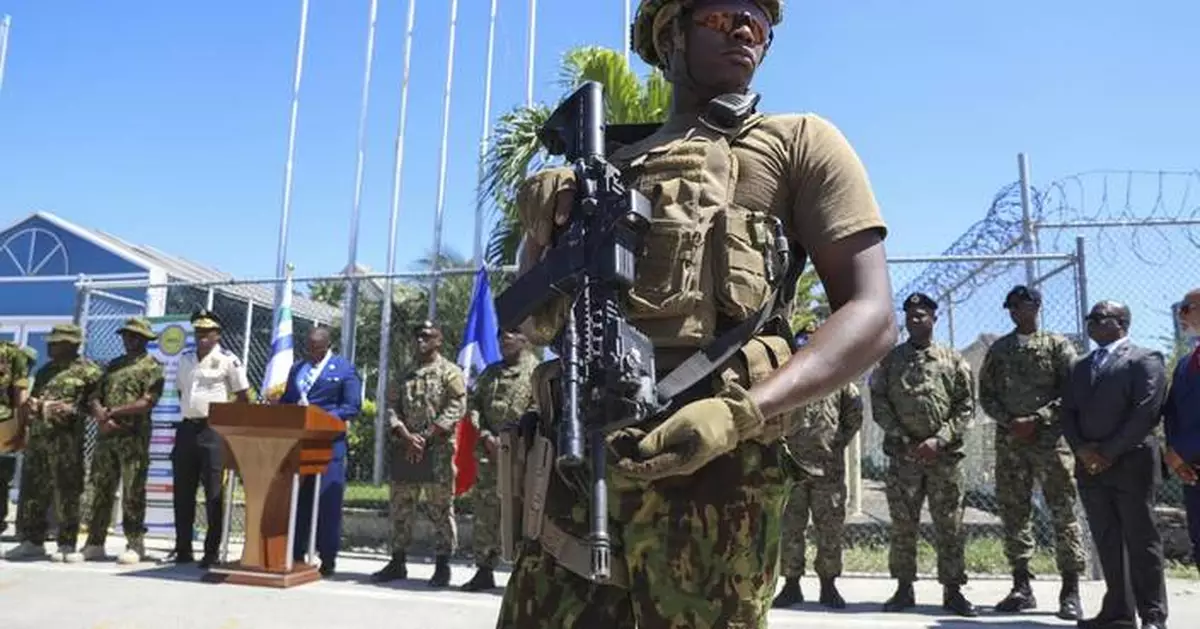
column 608, row 368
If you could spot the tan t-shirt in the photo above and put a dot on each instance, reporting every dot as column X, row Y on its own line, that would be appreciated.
column 799, row 167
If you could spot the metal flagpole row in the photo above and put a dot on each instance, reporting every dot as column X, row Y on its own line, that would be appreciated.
column 385, row 324
column 441, row 189
column 281, row 264
column 485, row 138
column 350, row 313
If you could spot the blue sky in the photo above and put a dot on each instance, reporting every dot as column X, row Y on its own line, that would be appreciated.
column 167, row 124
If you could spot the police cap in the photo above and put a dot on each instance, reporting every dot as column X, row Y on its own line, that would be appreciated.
column 205, row 319
column 920, row 300
column 1021, row 293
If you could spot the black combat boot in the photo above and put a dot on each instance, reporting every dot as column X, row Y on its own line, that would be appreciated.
column 954, row 601
column 483, row 580
column 1069, row 606
column 393, row 571
column 830, row 597
column 903, row 599
column 441, row 572
column 790, row 594
column 1021, row 597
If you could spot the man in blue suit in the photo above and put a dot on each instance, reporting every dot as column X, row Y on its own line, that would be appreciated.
column 329, row 382
column 1181, row 420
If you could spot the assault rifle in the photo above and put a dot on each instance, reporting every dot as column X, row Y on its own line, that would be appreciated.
column 608, row 372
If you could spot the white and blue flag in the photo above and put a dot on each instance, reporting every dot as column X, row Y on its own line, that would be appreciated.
column 282, row 356
column 481, row 345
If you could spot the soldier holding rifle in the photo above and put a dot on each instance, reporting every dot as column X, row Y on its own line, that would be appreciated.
column 730, row 202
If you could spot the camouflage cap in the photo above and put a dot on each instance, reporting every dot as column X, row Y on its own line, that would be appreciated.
column 1021, row 293
column 654, row 15
column 139, row 326
column 205, row 319
column 920, row 300
column 65, row 333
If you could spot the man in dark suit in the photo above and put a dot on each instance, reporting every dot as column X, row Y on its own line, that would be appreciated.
column 329, row 382
column 1111, row 407
column 1181, row 419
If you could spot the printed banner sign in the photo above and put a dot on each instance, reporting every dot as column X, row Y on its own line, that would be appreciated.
column 174, row 337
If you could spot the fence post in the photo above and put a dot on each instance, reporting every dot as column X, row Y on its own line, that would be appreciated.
column 1027, row 238
column 950, row 316
column 208, row 299
column 246, row 333
column 1081, row 274
column 381, row 384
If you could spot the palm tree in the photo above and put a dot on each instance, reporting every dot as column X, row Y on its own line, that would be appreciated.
column 515, row 151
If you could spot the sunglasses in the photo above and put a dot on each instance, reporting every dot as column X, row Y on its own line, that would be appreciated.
column 727, row 21
column 1097, row 318
column 1188, row 308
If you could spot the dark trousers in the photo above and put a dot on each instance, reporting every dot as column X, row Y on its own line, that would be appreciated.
column 8, row 469
column 1120, row 508
column 329, row 510
column 1191, row 501
column 196, row 460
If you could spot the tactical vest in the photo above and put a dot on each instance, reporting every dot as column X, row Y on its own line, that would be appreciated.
column 707, row 263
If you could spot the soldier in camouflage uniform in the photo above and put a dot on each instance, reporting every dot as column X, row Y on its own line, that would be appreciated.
column 1020, row 386
column 922, row 397
column 818, row 438
column 696, row 494
column 502, row 393
column 55, row 426
column 431, row 400
column 121, row 404
column 14, row 387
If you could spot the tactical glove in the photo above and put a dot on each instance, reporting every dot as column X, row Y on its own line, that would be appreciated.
column 692, row 437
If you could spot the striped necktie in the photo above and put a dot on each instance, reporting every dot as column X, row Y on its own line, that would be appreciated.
column 1098, row 361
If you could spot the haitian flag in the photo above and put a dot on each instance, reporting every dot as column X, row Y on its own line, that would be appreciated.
column 480, row 348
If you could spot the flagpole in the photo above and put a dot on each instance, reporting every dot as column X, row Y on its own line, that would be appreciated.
column 385, row 316
column 280, row 264
column 5, row 29
column 625, row 36
column 350, row 313
column 529, row 53
column 485, row 139
column 441, row 190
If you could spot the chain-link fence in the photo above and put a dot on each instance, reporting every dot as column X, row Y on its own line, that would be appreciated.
column 970, row 290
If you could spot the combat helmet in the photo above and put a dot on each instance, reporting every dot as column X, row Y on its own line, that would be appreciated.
column 654, row 15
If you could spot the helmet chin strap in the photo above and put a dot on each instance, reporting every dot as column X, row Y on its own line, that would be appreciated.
column 725, row 112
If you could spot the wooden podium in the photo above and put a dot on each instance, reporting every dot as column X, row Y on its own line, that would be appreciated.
column 272, row 446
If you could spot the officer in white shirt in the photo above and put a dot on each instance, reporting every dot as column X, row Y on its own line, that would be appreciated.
column 209, row 373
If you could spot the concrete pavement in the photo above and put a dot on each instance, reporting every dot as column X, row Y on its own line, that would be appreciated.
column 42, row 595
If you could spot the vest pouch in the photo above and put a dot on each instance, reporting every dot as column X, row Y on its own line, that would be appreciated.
column 742, row 242
column 667, row 298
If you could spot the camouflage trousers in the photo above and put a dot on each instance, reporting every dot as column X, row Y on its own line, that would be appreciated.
column 486, row 529
column 909, row 483
column 434, row 501
column 1018, row 467
column 824, row 498
column 52, row 476
column 121, row 458
column 698, row 552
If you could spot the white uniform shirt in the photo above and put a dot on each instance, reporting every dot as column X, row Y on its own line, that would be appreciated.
column 206, row 381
